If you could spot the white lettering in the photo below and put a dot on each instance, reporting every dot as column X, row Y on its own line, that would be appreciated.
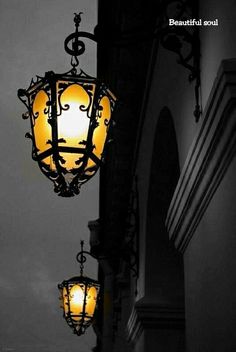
column 193, row 22
column 211, row 23
column 172, row 22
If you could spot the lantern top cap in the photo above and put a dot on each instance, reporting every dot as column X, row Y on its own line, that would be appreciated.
column 79, row 280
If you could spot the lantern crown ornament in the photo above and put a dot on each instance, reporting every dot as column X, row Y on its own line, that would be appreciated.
column 79, row 297
column 70, row 115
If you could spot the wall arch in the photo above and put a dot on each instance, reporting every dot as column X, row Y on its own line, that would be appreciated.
column 164, row 279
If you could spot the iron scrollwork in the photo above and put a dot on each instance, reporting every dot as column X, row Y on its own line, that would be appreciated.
column 182, row 40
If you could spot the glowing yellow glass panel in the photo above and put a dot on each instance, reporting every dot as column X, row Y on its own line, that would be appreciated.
column 100, row 133
column 73, row 123
column 77, row 300
column 65, row 300
column 90, row 164
column 91, row 301
column 42, row 129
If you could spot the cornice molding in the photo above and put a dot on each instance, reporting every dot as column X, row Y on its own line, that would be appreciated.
column 209, row 157
column 150, row 315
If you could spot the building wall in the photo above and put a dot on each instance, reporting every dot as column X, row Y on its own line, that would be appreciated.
column 209, row 260
column 217, row 43
column 160, row 282
column 210, row 264
column 168, row 86
column 188, row 254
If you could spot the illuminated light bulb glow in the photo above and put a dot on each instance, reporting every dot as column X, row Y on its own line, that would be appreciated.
column 79, row 297
column 73, row 124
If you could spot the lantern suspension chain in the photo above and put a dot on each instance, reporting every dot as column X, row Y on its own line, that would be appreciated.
column 75, row 44
column 81, row 258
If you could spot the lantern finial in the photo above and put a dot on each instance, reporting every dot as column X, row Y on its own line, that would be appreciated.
column 77, row 18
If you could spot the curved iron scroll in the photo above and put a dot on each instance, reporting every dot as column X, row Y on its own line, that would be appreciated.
column 182, row 40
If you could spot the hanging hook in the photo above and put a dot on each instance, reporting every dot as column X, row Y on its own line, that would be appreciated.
column 73, row 45
column 81, row 258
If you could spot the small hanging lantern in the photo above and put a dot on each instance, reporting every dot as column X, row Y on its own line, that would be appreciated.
column 79, row 297
column 70, row 115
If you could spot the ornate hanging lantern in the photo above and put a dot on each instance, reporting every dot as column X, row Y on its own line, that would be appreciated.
column 70, row 115
column 79, row 298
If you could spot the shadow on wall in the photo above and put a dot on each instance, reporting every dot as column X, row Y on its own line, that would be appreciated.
column 164, row 265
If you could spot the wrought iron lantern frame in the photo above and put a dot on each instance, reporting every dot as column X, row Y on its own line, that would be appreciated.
column 78, row 321
column 67, row 183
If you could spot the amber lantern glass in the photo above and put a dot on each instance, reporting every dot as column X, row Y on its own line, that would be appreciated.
column 79, row 298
